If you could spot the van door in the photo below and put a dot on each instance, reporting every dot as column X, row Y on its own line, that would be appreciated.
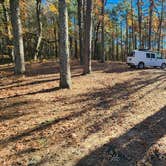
column 153, row 60
column 147, row 60
column 158, row 59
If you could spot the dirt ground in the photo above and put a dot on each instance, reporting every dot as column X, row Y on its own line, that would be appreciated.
column 114, row 117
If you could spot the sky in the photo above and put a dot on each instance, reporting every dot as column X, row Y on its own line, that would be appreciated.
column 109, row 1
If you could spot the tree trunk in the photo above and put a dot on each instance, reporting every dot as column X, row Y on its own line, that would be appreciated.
column 139, row 5
column 96, row 40
column 160, row 25
column 76, row 51
column 71, row 45
column 117, row 44
column 121, row 43
column 39, row 23
column 135, row 38
column 65, row 75
column 80, row 24
column 150, row 22
column 18, row 39
column 102, row 33
column 127, row 36
column 88, row 37
column 56, row 40
column 132, row 17
column 113, row 48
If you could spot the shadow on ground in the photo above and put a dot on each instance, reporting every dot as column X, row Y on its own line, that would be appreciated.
column 131, row 147
column 100, row 99
column 137, row 141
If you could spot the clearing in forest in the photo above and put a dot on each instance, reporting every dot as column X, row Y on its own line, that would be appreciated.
column 115, row 116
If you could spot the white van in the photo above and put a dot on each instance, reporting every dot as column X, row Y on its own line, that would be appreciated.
column 142, row 59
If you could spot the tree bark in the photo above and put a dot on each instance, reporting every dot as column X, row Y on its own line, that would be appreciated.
column 117, row 44
column 88, row 37
column 139, row 5
column 132, row 17
column 150, row 22
column 80, row 25
column 96, row 40
column 56, row 40
column 39, row 24
column 121, row 43
column 127, row 36
column 18, row 39
column 160, row 25
column 102, row 33
column 65, row 75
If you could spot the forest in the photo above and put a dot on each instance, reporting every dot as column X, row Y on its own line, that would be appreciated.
column 67, row 95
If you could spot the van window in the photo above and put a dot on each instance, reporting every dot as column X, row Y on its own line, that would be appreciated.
column 147, row 55
column 152, row 55
column 159, row 56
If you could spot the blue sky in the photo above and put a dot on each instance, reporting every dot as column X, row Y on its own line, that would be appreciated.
column 109, row 1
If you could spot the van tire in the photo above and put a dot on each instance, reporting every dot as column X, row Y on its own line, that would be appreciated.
column 141, row 65
column 163, row 65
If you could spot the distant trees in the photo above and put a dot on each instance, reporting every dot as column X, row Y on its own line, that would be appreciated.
column 111, row 34
column 6, row 21
column 18, row 38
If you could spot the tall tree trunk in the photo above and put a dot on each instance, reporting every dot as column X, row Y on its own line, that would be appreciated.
column 18, row 39
column 139, row 5
column 132, row 18
column 56, row 40
column 117, row 44
column 65, row 75
column 96, row 41
column 102, row 33
column 71, row 45
column 39, row 24
column 113, row 47
column 135, row 38
column 80, row 24
column 76, row 51
column 127, row 36
column 121, row 43
column 88, row 37
column 160, row 25
column 150, row 22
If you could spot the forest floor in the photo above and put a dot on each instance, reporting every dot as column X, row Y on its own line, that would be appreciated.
column 115, row 116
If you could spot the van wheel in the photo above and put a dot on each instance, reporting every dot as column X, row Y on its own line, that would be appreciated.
column 163, row 66
column 141, row 65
